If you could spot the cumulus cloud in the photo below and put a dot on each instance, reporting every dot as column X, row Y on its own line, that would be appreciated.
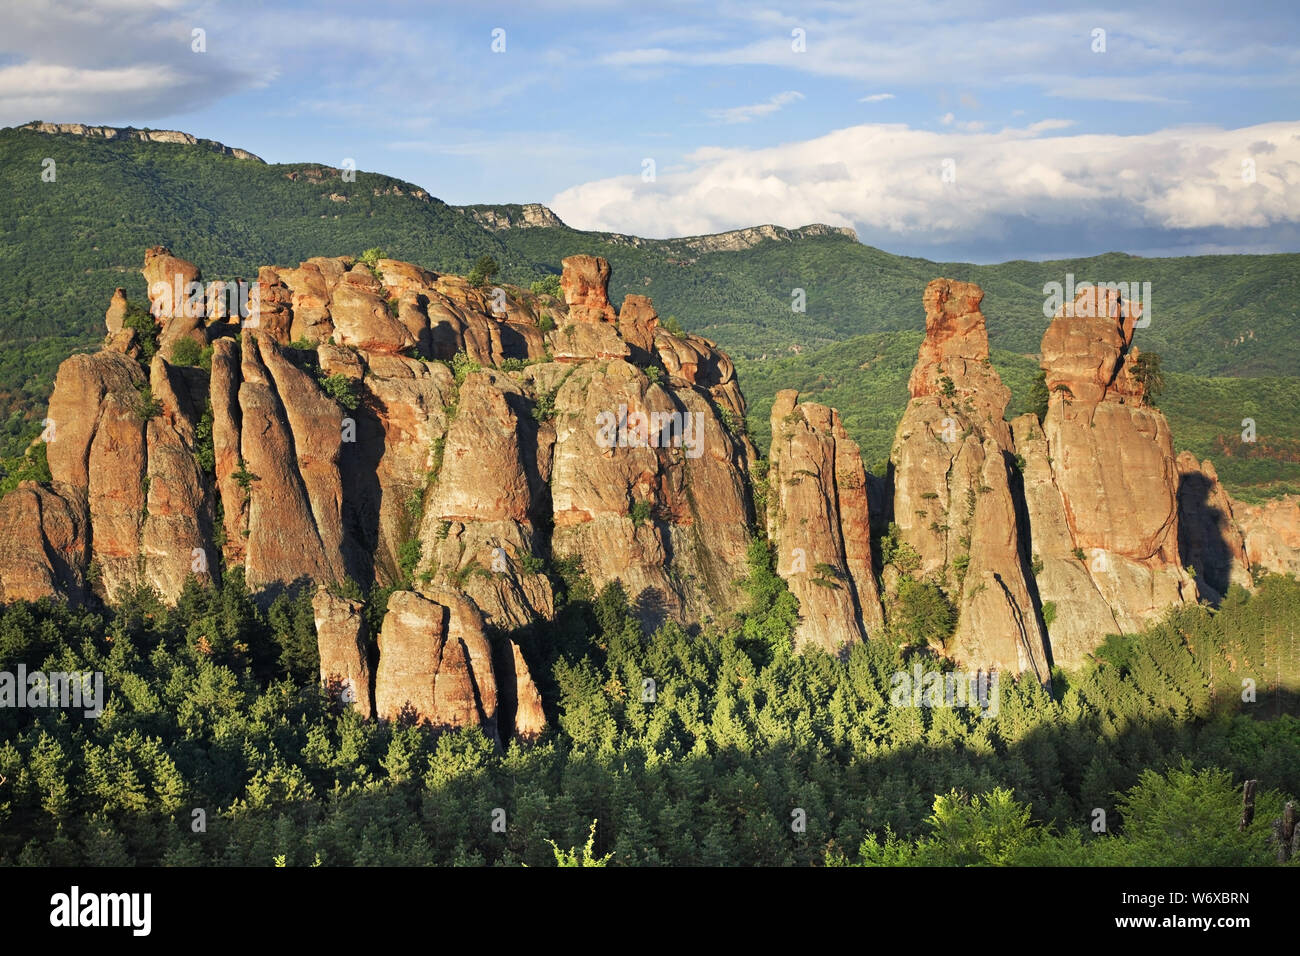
column 888, row 182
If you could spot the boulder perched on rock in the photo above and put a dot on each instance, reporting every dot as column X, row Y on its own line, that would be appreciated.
column 584, row 284
column 115, row 315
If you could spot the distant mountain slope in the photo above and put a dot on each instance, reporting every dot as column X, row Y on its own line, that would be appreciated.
column 65, row 245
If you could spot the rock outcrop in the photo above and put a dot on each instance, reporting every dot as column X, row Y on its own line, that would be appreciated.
column 1271, row 534
column 355, row 425
column 520, row 702
column 143, row 135
column 1209, row 539
column 381, row 424
column 44, row 549
column 1111, row 461
column 341, row 641
column 819, row 523
column 954, row 504
column 435, row 662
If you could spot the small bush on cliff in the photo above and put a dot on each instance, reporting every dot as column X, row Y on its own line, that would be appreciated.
column 32, row 465
column 484, row 271
column 894, row 550
column 923, row 613
column 204, row 451
column 672, row 325
column 243, row 477
column 462, row 365
column 773, row 612
column 370, row 259
column 148, row 406
column 547, row 285
column 639, row 513
column 146, row 330
column 1147, row 372
column 544, row 408
column 1038, row 396
column 408, row 559
column 186, row 351
column 344, row 390
column 1049, row 613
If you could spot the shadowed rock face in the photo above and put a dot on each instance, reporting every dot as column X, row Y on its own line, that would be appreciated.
column 1209, row 540
column 820, row 525
column 953, row 499
column 520, row 702
column 1110, row 459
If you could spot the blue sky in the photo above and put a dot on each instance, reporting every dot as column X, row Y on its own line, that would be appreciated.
column 979, row 131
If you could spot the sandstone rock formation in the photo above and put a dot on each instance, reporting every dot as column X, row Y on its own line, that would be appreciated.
column 341, row 640
column 433, row 436
column 819, row 523
column 44, row 549
column 520, row 701
column 954, row 503
column 1209, row 539
column 1271, row 534
column 116, row 312
column 380, row 425
column 176, row 300
column 1111, row 462
column 435, row 663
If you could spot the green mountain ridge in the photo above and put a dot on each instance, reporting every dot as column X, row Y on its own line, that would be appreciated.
column 66, row 244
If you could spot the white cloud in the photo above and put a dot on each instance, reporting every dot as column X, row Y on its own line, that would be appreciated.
column 743, row 114
column 886, row 181
column 876, row 98
column 1152, row 56
column 1044, row 126
column 76, row 61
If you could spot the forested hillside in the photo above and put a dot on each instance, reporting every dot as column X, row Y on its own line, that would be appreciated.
column 217, row 708
column 65, row 245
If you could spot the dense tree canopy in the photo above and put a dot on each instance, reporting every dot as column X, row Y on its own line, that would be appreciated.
column 214, row 706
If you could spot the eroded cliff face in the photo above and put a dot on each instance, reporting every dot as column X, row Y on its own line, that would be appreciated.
column 328, row 437
column 1109, row 455
column 355, row 425
column 953, row 498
